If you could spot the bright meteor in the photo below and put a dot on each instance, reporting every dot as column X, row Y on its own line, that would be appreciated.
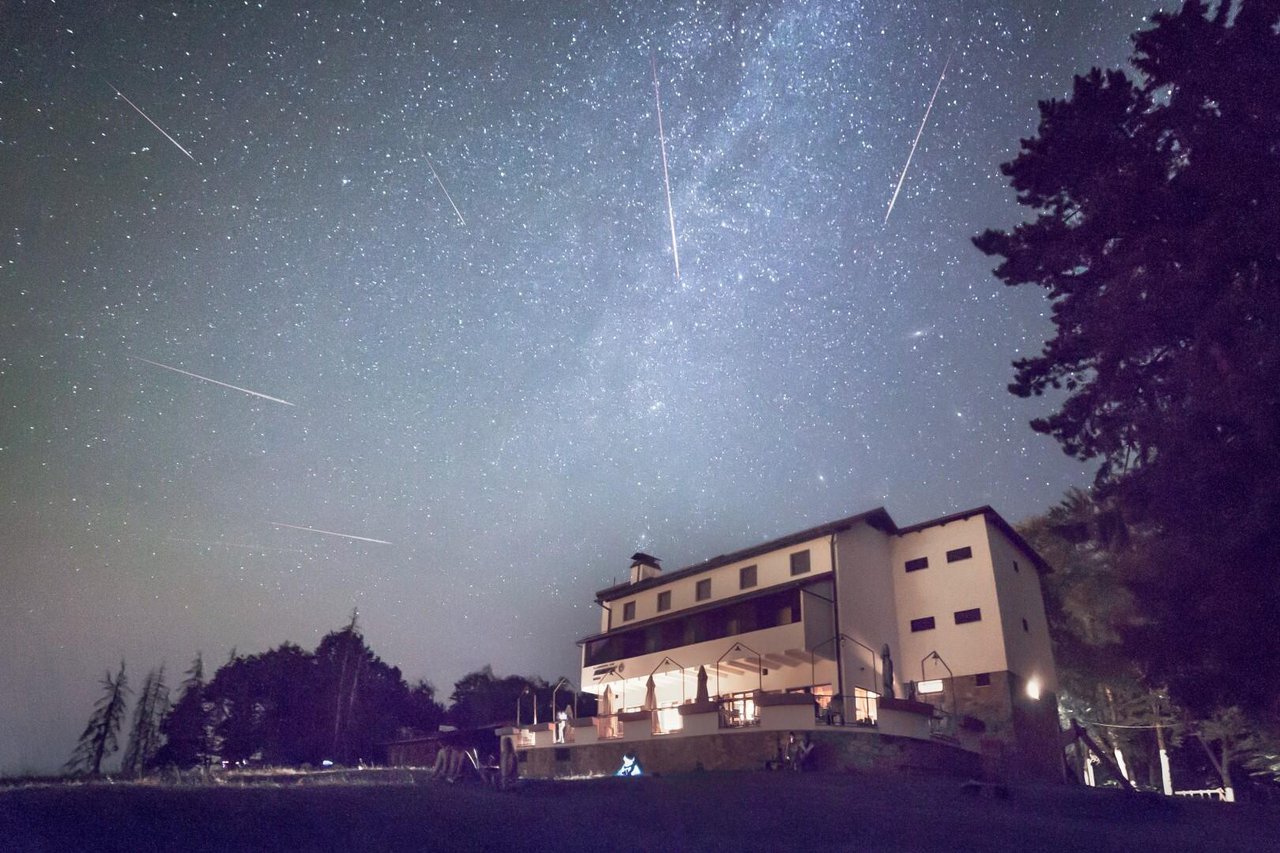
column 207, row 379
column 919, row 133
column 329, row 533
column 153, row 124
column 436, row 175
column 666, row 178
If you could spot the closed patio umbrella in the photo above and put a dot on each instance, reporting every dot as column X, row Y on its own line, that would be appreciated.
column 650, row 695
column 702, row 696
column 606, row 703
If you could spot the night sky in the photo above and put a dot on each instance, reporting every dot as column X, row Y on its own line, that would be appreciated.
column 515, row 394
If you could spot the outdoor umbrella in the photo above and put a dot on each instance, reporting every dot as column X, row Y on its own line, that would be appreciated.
column 606, row 703
column 702, row 696
column 650, row 695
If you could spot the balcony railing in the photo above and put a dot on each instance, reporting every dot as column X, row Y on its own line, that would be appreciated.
column 738, row 712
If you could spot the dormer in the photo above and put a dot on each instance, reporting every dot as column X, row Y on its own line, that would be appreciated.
column 644, row 566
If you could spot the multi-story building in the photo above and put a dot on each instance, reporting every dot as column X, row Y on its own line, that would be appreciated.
column 934, row 631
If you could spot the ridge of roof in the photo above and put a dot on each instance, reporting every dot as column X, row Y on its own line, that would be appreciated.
column 878, row 518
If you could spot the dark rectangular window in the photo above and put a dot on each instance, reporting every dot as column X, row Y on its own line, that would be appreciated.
column 1025, row 626
column 965, row 616
column 628, row 611
column 703, row 590
column 799, row 563
column 746, row 577
column 925, row 624
column 760, row 611
column 664, row 601
column 959, row 554
column 982, row 679
column 1015, row 566
column 917, row 564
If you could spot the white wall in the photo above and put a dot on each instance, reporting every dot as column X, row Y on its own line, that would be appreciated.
column 772, row 568
column 877, row 599
column 1030, row 651
column 864, row 590
column 939, row 591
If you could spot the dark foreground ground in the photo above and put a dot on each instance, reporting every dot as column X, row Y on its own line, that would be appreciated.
column 733, row 811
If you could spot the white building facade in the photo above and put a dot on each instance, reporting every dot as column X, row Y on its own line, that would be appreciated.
column 935, row 631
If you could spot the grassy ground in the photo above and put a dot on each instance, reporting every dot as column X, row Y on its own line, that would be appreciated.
column 732, row 811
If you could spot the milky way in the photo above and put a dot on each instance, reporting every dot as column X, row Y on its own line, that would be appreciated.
column 517, row 399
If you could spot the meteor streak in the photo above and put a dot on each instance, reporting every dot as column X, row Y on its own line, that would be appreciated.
column 666, row 178
column 435, row 175
column 153, row 124
column 207, row 379
column 259, row 548
column 919, row 133
column 329, row 533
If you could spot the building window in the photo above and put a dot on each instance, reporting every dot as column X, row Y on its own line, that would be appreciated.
column 982, row 679
column 965, row 616
column 1025, row 627
column 746, row 577
column 628, row 611
column 800, row 563
column 664, row 601
column 925, row 624
column 1015, row 566
column 958, row 554
column 917, row 564
column 703, row 590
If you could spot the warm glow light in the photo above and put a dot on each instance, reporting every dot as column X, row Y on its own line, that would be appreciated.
column 924, row 688
column 1033, row 687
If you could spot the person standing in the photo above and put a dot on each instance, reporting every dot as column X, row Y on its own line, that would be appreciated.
column 508, row 765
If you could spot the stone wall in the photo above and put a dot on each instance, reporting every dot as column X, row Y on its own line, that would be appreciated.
column 751, row 749
column 1017, row 736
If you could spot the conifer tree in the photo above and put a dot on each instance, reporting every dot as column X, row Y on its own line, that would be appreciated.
column 1153, row 231
column 99, row 739
column 145, row 737
column 183, row 730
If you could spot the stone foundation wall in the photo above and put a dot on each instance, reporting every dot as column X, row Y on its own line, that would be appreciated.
column 752, row 749
column 1018, row 736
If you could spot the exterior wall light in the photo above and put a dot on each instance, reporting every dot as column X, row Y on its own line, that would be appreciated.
column 1033, row 687
column 925, row 688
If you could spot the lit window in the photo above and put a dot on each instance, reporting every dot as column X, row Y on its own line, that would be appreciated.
column 966, row 616
column 958, row 554
column 917, row 564
column 703, row 590
column 746, row 577
column 664, row 601
column 628, row 611
column 800, row 562
column 925, row 624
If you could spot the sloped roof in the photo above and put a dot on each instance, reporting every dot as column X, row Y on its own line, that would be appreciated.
column 877, row 518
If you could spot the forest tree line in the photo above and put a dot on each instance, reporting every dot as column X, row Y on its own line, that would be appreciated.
column 290, row 707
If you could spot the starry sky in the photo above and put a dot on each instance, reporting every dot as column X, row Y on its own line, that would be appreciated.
column 435, row 237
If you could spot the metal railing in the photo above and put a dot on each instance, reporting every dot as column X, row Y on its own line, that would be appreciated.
column 737, row 713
